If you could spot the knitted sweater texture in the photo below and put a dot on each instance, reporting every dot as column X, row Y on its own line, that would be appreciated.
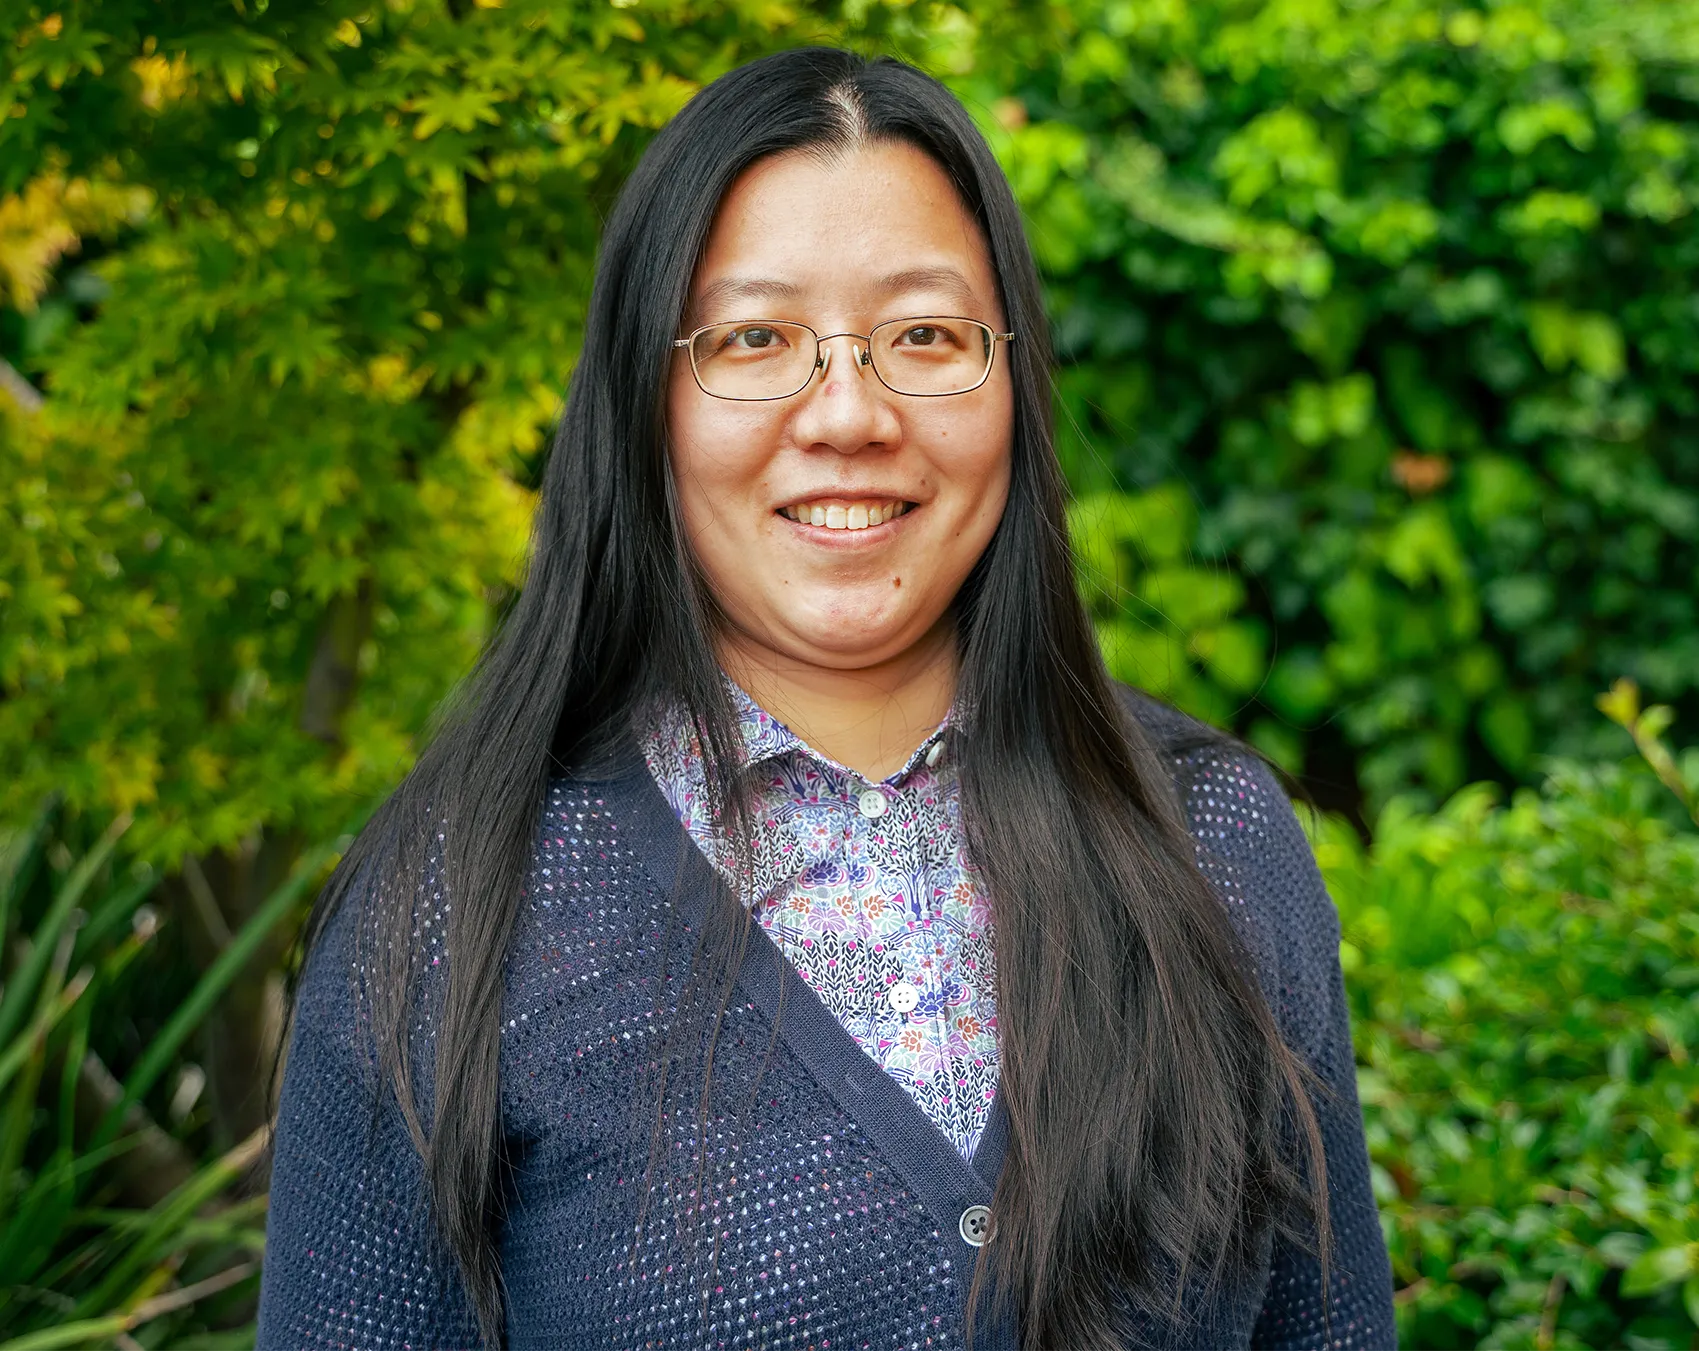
column 833, row 1207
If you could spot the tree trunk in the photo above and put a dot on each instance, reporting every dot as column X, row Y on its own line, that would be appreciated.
column 223, row 890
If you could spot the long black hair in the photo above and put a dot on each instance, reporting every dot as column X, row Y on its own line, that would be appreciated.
column 1158, row 1124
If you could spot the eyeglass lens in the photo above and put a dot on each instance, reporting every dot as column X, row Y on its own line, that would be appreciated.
column 770, row 359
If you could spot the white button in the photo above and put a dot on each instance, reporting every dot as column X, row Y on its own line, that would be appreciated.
column 975, row 1225
column 936, row 754
column 872, row 803
column 902, row 996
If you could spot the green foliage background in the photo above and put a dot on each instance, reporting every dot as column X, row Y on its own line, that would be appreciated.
column 1524, row 980
column 1401, row 296
column 1379, row 333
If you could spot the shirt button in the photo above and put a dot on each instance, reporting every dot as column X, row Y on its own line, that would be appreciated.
column 872, row 803
column 902, row 997
column 975, row 1225
column 934, row 755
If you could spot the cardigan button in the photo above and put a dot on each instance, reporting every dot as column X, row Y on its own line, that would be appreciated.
column 975, row 1225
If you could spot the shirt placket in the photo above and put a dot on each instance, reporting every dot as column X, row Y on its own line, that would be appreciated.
column 938, row 940
column 872, row 809
column 943, row 947
column 872, row 928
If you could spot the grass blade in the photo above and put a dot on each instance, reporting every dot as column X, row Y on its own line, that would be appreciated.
column 20, row 990
column 166, row 1220
column 88, row 1330
column 116, row 910
column 224, row 969
column 22, row 857
column 83, row 1332
column 30, row 1054
column 34, row 1038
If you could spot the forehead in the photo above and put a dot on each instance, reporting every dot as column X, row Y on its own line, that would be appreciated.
column 843, row 233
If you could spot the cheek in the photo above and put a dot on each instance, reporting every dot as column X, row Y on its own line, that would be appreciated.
column 973, row 459
column 720, row 453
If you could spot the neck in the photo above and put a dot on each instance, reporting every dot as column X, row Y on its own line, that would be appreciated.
column 870, row 718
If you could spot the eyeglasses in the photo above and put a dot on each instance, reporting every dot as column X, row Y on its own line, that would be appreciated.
column 928, row 356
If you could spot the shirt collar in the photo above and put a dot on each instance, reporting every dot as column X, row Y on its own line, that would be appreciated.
column 764, row 737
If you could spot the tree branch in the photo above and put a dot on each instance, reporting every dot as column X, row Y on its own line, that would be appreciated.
column 24, row 394
column 335, row 672
column 154, row 1164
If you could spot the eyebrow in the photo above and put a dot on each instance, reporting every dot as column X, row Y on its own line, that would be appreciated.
column 729, row 289
column 738, row 288
column 946, row 279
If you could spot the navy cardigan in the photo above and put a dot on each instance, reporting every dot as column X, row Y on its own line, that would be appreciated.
column 835, row 1208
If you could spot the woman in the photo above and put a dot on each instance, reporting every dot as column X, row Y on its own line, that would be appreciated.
column 792, row 938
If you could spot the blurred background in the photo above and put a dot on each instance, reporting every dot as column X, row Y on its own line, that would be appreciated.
column 1379, row 330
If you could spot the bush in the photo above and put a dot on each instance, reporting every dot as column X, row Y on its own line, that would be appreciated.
column 1525, row 983
column 108, row 1223
column 1401, row 295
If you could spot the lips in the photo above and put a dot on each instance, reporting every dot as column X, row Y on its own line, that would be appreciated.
column 845, row 514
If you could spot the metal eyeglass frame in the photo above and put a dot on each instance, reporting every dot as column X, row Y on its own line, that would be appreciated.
column 863, row 355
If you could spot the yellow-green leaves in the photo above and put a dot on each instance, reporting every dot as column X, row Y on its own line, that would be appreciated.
column 345, row 254
column 1321, row 412
column 1551, row 213
column 1646, row 727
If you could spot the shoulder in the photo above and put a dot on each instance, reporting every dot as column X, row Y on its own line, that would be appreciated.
column 374, row 956
column 331, row 1014
column 1167, row 728
column 1252, row 849
column 1239, row 816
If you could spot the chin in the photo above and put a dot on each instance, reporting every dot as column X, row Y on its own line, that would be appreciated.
column 848, row 633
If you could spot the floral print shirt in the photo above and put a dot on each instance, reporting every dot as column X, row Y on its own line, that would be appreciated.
column 867, row 891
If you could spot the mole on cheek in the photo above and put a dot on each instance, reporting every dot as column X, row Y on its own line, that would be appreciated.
column 896, row 581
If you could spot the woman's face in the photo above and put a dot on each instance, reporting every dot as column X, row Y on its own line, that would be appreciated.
column 841, row 244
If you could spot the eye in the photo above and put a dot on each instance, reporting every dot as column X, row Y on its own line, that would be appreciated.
column 930, row 335
column 755, row 338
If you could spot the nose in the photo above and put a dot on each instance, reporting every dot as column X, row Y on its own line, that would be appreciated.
column 846, row 408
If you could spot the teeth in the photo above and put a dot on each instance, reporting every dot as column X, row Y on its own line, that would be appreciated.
column 837, row 516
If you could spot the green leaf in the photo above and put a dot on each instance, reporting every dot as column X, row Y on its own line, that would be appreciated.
column 1422, row 547
column 1300, row 686
column 1236, row 654
column 1189, row 597
column 1660, row 1267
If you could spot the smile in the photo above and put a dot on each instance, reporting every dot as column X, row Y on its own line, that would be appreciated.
column 838, row 514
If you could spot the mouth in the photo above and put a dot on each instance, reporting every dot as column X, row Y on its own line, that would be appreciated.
column 837, row 513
